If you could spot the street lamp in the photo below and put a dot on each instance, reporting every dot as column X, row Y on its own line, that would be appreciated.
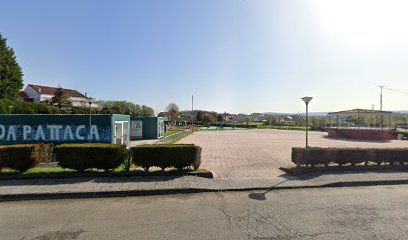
column 10, row 108
column 307, row 100
column 90, row 101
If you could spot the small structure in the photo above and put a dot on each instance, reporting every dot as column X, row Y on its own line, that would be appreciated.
column 146, row 128
column 43, row 94
column 60, row 128
column 374, row 129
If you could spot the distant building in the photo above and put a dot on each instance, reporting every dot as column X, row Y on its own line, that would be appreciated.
column 44, row 94
column 165, row 116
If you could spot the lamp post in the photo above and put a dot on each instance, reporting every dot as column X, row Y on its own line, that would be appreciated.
column 90, row 101
column 307, row 100
column 10, row 108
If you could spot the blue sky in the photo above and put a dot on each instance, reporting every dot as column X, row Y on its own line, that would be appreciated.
column 234, row 55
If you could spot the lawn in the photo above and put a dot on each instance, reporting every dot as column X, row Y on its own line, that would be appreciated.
column 58, row 172
column 173, row 131
column 299, row 128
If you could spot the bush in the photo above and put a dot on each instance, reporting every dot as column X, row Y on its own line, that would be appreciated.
column 310, row 156
column 91, row 155
column 400, row 155
column 20, row 157
column 353, row 156
column 164, row 156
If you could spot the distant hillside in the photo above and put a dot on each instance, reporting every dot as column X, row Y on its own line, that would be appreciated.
column 316, row 114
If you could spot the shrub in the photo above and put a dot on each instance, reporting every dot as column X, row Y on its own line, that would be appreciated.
column 382, row 155
column 162, row 155
column 20, row 157
column 93, row 155
column 354, row 156
column 310, row 156
column 400, row 155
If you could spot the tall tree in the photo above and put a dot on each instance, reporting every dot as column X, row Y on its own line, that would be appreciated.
column 173, row 111
column 11, row 75
column 147, row 111
column 60, row 99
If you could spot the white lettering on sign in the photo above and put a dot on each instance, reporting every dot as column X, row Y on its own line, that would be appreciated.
column 11, row 133
column 2, row 132
column 68, row 134
column 26, row 131
column 78, row 132
column 94, row 133
column 39, row 133
column 51, row 132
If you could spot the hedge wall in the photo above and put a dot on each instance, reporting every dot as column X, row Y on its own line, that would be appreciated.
column 93, row 155
column 352, row 156
column 164, row 156
column 20, row 157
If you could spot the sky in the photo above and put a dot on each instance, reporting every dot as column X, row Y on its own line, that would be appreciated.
column 236, row 56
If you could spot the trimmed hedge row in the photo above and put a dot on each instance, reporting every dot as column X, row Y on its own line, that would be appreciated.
column 93, row 155
column 20, row 157
column 352, row 156
column 164, row 156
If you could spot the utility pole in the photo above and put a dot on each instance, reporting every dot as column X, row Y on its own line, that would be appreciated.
column 381, row 105
column 192, row 113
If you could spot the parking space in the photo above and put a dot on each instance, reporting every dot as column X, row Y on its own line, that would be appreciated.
column 260, row 152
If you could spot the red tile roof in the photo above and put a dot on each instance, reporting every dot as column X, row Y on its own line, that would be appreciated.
column 51, row 91
column 22, row 94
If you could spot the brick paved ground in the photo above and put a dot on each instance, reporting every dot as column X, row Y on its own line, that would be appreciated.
column 260, row 152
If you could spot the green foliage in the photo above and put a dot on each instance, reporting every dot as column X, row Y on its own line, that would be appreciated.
column 348, row 156
column 93, row 155
column 123, row 107
column 220, row 118
column 20, row 157
column 18, row 107
column 11, row 75
column 164, row 156
column 173, row 111
column 60, row 99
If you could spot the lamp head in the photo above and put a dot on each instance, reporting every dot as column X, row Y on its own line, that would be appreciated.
column 307, row 99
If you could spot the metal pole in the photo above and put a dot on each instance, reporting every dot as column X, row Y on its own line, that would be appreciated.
column 381, row 105
column 307, row 125
column 90, row 122
column 192, row 113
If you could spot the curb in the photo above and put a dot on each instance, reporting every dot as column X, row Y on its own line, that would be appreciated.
column 111, row 194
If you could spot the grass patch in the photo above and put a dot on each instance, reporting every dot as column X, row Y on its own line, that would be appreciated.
column 58, row 172
column 181, row 137
column 298, row 128
column 172, row 132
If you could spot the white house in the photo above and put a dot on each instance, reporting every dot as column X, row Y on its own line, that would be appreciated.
column 43, row 94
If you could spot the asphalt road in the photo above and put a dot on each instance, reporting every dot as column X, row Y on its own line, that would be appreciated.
column 338, row 213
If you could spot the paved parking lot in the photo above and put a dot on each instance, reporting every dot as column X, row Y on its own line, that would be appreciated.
column 260, row 152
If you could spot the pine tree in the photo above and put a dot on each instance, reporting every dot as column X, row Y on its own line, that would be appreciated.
column 11, row 75
column 60, row 99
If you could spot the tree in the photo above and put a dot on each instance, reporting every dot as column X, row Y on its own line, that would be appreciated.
column 173, row 111
column 147, row 111
column 270, row 119
column 247, row 120
column 11, row 75
column 60, row 99
column 199, row 116
column 220, row 118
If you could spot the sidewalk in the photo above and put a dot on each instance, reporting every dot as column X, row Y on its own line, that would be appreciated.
column 25, row 189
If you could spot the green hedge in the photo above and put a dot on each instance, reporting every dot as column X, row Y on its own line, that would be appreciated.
column 167, row 155
column 351, row 156
column 20, row 157
column 93, row 155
